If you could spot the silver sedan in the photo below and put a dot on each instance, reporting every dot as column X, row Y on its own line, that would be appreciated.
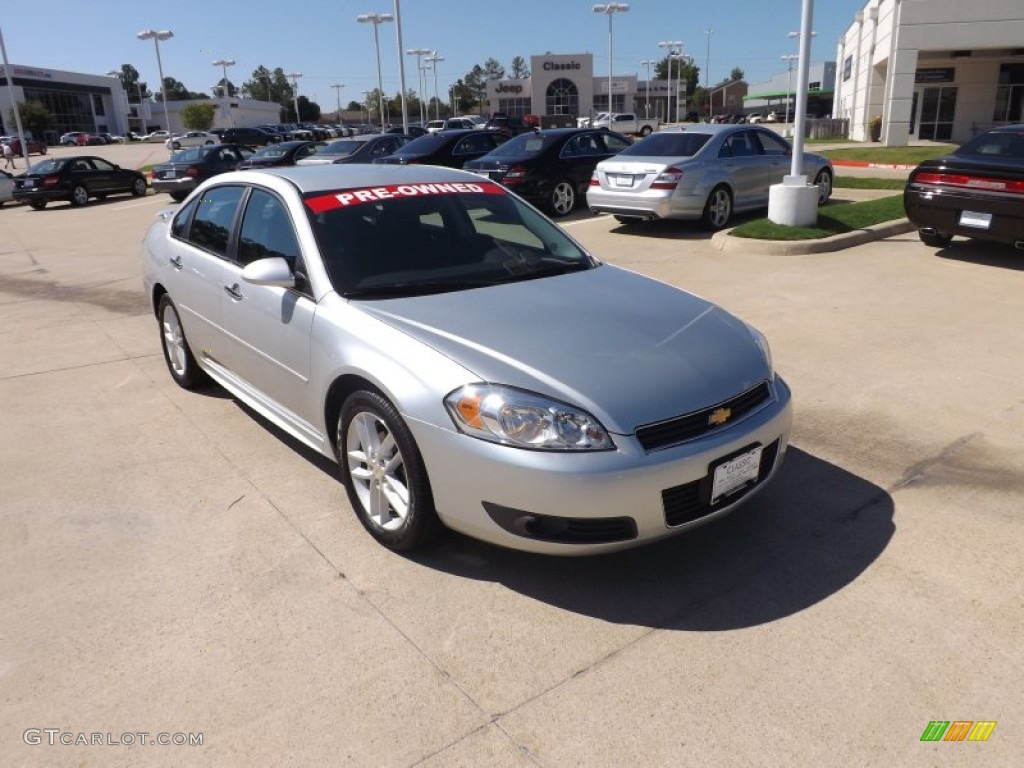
column 705, row 172
column 465, row 362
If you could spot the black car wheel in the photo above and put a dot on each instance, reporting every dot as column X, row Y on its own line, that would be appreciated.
column 139, row 187
column 177, row 354
column 384, row 473
column 37, row 204
column 563, row 198
column 42, row 150
column 934, row 239
column 645, row 131
column 178, row 196
column 823, row 181
column 718, row 208
column 79, row 195
column 176, row 145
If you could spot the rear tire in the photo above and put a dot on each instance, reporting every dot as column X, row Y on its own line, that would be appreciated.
column 384, row 473
column 176, row 145
column 645, row 131
column 178, row 196
column 563, row 198
column 718, row 209
column 139, row 188
column 37, row 204
column 79, row 195
column 937, row 240
column 823, row 181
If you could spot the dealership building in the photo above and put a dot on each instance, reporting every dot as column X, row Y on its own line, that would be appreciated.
column 98, row 104
column 931, row 70
column 565, row 84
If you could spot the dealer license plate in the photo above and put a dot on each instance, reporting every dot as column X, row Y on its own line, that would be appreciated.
column 732, row 475
column 623, row 180
column 976, row 220
column 29, row 183
column 168, row 174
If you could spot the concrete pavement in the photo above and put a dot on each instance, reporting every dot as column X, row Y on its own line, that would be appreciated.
column 174, row 564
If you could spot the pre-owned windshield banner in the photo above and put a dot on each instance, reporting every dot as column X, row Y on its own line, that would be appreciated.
column 348, row 197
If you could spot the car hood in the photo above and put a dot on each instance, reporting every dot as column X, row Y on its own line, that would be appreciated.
column 628, row 349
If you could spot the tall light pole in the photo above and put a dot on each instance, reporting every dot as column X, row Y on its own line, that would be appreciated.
column 609, row 9
column 419, row 53
column 224, row 64
column 156, row 36
column 673, row 47
column 295, row 92
column 401, row 67
column 377, row 19
column 337, row 93
column 647, row 87
column 789, row 58
column 679, row 81
column 432, row 59
column 707, row 68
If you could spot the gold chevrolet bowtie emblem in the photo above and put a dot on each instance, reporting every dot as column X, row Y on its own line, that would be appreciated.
column 719, row 416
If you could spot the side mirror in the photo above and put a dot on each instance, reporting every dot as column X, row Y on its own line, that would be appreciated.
column 270, row 271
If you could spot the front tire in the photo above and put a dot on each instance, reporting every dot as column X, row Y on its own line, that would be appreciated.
column 176, row 145
column 645, row 131
column 718, row 209
column 37, row 204
column 823, row 181
column 563, row 198
column 384, row 473
column 79, row 195
column 178, row 196
column 934, row 239
column 180, row 362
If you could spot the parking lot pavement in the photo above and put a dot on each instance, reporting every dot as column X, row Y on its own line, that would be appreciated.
column 174, row 564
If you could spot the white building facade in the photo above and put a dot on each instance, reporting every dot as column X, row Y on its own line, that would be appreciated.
column 931, row 69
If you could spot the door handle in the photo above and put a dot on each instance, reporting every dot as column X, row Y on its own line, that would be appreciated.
column 176, row 262
column 233, row 292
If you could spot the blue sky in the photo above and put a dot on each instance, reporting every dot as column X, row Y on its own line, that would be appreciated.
column 321, row 38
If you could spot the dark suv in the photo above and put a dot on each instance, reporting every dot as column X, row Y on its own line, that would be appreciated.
column 251, row 137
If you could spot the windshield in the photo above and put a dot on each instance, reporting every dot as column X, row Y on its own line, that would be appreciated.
column 995, row 144
column 193, row 155
column 424, row 145
column 411, row 239
column 682, row 144
column 524, row 144
column 342, row 147
column 47, row 166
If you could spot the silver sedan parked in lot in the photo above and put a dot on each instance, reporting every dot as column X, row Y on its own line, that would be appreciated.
column 703, row 171
column 463, row 359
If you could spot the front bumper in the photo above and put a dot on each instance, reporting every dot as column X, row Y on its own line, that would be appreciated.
column 491, row 492
column 941, row 209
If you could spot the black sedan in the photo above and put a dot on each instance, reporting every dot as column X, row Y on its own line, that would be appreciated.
column 285, row 153
column 357, row 149
column 976, row 192
column 75, row 179
column 183, row 172
column 552, row 168
column 450, row 148
column 250, row 137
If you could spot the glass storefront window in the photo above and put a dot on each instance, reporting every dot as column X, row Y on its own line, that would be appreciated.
column 563, row 98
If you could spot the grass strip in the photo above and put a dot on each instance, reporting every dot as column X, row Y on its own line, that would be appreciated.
column 864, row 182
column 894, row 155
column 832, row 220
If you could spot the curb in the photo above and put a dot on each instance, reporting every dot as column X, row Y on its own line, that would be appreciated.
column 878, row 166
column 723, row 241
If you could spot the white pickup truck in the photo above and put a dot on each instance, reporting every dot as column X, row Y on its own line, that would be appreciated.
column 627, row 122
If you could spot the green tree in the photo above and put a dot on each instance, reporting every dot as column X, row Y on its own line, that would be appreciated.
column 519, row 69
column 690, row 74
column 736, row 74
column 267, row 85
column 198, row 117
column 232, row 90
column 175, row 90
column 355, row 106
column 131, row 83
column 35, row 118
column 472, row 88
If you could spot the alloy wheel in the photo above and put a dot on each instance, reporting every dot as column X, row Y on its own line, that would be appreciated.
column 377, row 469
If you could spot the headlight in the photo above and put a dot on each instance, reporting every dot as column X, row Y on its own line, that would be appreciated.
column 762, row 344
column 524, row 419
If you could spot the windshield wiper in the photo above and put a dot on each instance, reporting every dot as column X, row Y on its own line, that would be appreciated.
column 421, row 288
